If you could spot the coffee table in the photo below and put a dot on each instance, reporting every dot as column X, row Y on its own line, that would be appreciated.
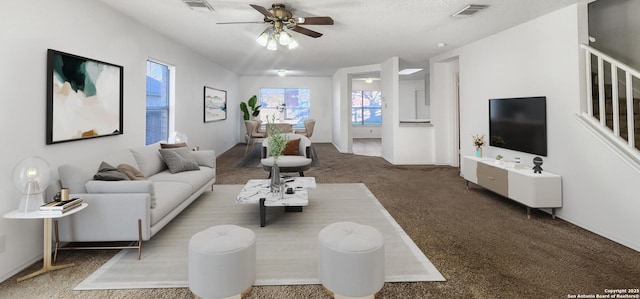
column 258, row 191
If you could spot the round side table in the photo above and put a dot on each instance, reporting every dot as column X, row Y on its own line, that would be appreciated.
column 47, row 266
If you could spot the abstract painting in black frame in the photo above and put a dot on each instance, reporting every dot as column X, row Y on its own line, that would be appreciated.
column 84, row 98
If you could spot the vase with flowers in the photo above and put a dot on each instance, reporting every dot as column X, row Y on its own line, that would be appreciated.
column 478, row 141
column 277, row 141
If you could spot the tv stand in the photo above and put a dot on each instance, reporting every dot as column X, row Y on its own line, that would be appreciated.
column 534, row 190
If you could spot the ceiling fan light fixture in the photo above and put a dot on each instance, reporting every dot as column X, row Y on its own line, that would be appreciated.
column 284, row 38
column 272, row 45
column 281, row 72
column 293, row 44
column 263, row 39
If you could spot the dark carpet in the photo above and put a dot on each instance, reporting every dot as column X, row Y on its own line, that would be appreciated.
column 482, row 243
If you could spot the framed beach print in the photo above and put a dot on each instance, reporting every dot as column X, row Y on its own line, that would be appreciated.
column 215, row 104
column 84, row 98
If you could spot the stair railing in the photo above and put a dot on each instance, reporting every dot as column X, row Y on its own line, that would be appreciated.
column 629, row 75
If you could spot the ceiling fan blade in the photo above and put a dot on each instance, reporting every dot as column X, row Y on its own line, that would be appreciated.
column 306, row 31
column 226, row 23
column 316, row 21
column 262, row 10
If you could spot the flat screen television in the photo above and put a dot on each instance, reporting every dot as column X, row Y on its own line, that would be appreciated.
column 519, row 124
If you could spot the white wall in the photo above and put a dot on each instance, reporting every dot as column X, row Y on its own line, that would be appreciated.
column 321, row 104
column 412, row 106
column 616, row 27
column 89, row 29
column 541, row 57
column 342, row 132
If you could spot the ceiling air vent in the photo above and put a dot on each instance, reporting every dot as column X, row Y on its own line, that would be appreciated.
column 198, row 5
column 469, row 10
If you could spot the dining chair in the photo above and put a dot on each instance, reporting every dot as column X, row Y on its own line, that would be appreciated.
column 308, row 128
column 253, row 133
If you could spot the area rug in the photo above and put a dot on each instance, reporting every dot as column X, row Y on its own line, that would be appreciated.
column 253, row 157
column 286, row 246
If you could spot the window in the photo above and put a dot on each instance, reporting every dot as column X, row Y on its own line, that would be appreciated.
column 366, row 108
column 295, row 100
column 158, row 102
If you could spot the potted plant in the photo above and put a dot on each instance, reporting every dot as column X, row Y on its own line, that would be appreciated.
column 499, row 159
column 277, row 142
column 250, row 109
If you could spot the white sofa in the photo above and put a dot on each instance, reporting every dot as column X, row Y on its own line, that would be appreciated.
column 131, row 210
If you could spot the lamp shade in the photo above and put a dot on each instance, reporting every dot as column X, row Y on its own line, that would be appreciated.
column 284, row 38
column 31, row 178
column 272, row 45
column 293, row 44
column 178, row 137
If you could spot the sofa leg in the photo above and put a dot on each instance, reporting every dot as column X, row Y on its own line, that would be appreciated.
column 133, row 244
column 139, row 238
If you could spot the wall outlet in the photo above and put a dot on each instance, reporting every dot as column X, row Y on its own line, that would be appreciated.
column 3, row 242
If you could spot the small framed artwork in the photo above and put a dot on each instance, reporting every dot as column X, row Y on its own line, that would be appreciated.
column 215, row 104
column 84, row 98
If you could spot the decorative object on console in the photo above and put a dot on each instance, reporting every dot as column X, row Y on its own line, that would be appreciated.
column 517, row 164
column 250, row 109
column 215, row 104
column 478, row 141
column 537, row 161
column 499, row 159
column 84, row 98
column 31, row 178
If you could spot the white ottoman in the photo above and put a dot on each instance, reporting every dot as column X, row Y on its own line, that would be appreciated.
column 222, row 262
column 351, row 260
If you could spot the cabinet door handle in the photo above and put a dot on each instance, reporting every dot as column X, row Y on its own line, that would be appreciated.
column 491, row 178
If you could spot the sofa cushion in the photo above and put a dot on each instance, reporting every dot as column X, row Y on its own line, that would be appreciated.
column 106, row 172
column 131, row 172
column 123, row 187
column 168, row 196
column 205, row 158
column 195, row 179
column 148, row 159
column 179, row 159
column 74, row 175
column 74, row 178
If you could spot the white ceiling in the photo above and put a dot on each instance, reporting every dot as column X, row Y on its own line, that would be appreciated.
column 365, row 31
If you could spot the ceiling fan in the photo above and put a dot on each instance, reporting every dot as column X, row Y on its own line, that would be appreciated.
column 280, row 18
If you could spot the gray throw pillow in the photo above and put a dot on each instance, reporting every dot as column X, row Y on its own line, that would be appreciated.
column 179, row 159
column 107, row 172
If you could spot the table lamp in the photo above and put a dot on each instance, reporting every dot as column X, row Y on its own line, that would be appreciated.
column 178, row 137
column 31, row 178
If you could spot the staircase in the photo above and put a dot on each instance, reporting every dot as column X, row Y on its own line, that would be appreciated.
column 622, row 121
column 614, row 90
